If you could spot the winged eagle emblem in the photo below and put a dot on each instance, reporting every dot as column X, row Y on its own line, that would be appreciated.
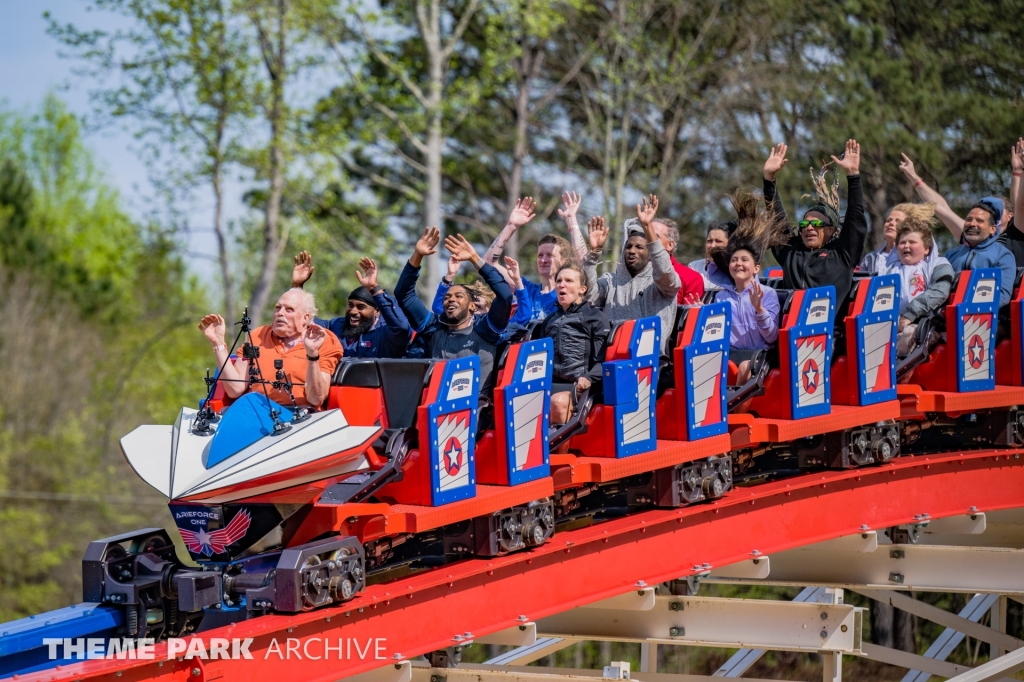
column 216, row 542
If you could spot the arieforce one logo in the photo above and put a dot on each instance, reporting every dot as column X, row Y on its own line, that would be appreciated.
column 211, row 515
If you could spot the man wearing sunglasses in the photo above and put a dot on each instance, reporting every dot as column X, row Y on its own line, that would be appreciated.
column 826, row 250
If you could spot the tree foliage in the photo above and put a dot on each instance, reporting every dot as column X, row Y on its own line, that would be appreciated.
column 98, row 338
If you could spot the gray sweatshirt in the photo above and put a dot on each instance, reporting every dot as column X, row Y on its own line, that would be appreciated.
column 652, row 292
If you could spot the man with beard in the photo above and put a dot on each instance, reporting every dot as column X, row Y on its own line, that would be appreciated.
column 644, row 283
column 456, row 333
column 373, row 326
column 979, row 247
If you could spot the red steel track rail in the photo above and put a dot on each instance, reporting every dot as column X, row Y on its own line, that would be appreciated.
column 427, row 611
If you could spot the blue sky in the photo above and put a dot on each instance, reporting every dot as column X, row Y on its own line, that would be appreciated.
column 30, row 67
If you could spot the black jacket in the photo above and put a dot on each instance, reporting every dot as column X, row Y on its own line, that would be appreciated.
column 832, row 264
column 1013, row 239
column 581, row 337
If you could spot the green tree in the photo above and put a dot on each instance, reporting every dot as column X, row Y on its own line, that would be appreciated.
column 184, row 74
column 99, row 338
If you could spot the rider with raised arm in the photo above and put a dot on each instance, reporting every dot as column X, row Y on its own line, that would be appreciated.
column 456, row 332
column 949, row 217
column 552, row 252
column 373, row 326
column 825, row 250
column 523, row 309
column 644, row 283
column 309, row 352
column 980, row 248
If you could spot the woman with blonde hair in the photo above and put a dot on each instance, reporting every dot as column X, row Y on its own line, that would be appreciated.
column 876, row 261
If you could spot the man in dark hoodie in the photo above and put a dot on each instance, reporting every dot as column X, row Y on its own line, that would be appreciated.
column 373, row 326
column 456, row 332
column 644, row 283
column 817, row 256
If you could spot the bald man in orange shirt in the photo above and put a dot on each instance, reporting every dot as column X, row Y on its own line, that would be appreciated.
column 309, row 352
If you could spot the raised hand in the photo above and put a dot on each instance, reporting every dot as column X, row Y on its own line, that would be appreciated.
column 776, row 160
column 1017, row 156
column 572, row 202
column 369, row 280
column 427, row 244
column 598, row 233
column 213, row 328
column 851, row 158
column 692, row 300
column 453, row 267
column 907, row 167
column 303, row 269
column 756, row 296
column 460, row 248
column 512, row 268
column 314, row 338
column 523, row 212
column 646, row 210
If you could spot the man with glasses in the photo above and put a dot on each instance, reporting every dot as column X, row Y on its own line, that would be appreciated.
column 826, row 249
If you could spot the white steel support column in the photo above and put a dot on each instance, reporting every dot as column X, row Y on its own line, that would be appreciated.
column 832, row 661
column 708, row 621
column 996, row 669
column 741, row 661
column 928, row 568
column 998, row 621
column 944, row 644
column 952, row 621
column 648, row 657
column 542, row 647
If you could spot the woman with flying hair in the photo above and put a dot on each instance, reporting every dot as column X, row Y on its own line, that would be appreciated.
column 875, row 261
column 734, row 268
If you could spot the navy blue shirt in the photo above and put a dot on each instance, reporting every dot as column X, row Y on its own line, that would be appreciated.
column 388, row 337
column 480, row 338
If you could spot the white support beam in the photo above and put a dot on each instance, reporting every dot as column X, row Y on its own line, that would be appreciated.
column 757, row 568
column 477, row 672
column 648, row 657
column 519, row 635
column 949, row 638
column 641, row 599
column 707, row 621
column 998, row 621
column 995, row 669
column 741, row 661
column 930, row 568
column 863, row 542
column 392, row 672
column 913, row 661
column 542, row 647
column 950, row 620
column 964, row 524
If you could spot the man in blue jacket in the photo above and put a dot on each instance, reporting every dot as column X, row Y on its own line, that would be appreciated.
column 456, row 333
column 979, row 248
column 373, row 325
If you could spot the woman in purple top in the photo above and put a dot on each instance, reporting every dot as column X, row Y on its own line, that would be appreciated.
column 755, row 309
